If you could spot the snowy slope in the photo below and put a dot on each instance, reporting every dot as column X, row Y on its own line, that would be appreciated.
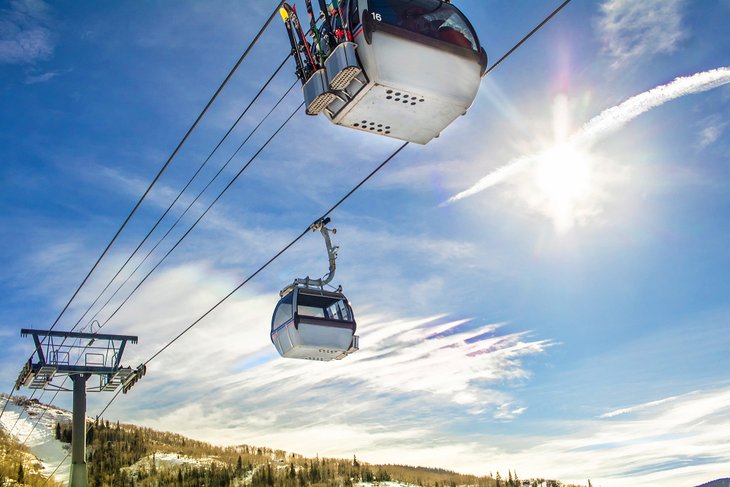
column 41, row 440
column 169, row 460
column 382, row 484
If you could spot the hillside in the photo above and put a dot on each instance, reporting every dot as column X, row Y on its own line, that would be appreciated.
column 126, row 455
column 717, row 483
column 19, row 466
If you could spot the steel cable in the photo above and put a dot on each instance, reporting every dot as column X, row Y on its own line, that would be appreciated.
column 328, row 212
column 159, row 174
column 281, row 99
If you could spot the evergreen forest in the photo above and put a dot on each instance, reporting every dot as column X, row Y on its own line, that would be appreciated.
column 125, row 456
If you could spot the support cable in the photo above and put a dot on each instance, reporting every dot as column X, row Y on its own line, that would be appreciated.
column 157, row 244
column 5, row 406
column 183, row 237
column 20, row 414
column 524, row 39
column 190, row 205
column 159, row 174
column 336, row 205
column 278, row 254
column 200, row 218
column 204, row 213
column 89, row 325
column 300, row 236
column 177, row 198
column 40, row 417
column 169, row 160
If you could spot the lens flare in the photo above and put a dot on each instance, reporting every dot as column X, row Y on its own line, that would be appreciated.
column 563, row 177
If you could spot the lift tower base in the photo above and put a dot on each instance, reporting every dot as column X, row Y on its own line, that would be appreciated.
column 79, row 476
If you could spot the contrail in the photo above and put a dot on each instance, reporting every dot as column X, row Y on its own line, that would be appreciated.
column 608, row 122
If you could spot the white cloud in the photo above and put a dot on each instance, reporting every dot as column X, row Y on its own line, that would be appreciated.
column 509, row 412
column 400, row 357
column 672, row 442
column 631, row 29
column 41, row 78
column 25, row 36
column 613, row 119
column 712, row 129
column 637, row 408
column 709, row 135
column 407, row 396
column 52, row 267
column 399, row 398
column 224, row 382
column 676, row 441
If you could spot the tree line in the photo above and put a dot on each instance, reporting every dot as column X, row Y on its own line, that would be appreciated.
column 113, row 450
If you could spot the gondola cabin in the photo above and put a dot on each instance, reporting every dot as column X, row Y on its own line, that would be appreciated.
column 407, row 69
column 314, row 324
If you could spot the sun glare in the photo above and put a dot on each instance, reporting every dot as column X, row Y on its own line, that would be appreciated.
column 563, row 177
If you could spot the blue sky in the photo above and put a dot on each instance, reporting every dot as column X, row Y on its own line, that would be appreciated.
column 596, row 280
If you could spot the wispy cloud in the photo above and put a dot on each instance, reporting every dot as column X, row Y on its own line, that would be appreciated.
column 712, row 129
column 403, row 397
column 633, row 30
column 398, row 356
column 607, row 123
column 25, row 35
column 637, row 408
column 613, row 119
column 675, row 441
column 41, row 78
column 411, row 379
column 672, row 442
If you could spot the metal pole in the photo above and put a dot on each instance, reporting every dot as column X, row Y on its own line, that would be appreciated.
column 79, row 476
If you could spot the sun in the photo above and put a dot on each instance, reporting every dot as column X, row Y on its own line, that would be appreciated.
column 563, row 186
column 564, row 182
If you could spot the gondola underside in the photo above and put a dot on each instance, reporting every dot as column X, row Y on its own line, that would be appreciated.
column 314, row 340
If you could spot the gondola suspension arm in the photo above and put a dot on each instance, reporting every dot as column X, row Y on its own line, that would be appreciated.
column 319, row 226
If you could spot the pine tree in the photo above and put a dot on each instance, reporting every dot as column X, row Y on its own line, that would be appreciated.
column 58, row 431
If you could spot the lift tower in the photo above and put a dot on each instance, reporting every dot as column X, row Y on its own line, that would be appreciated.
column 78, row 356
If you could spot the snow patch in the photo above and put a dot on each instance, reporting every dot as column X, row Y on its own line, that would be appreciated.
column 35, row 426
column 167, row 460
column 382, row 484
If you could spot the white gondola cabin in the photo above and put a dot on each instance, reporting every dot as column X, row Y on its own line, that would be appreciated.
column 310, row 322
column 405, row 69
column 314, row 324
